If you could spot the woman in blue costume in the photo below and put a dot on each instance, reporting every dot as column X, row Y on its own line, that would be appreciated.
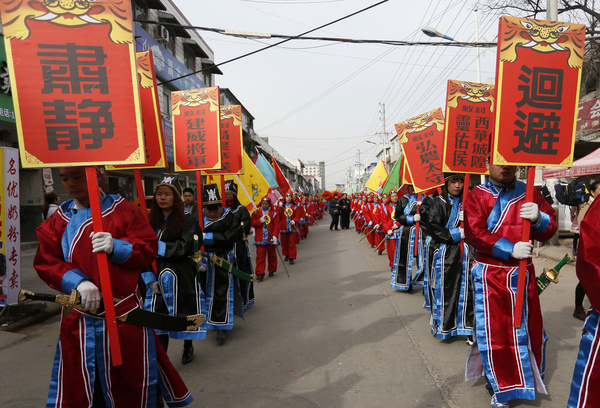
column 452, row 302
column 406, row 214
column 181, row 293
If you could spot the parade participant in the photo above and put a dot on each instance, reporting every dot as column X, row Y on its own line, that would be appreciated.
column 83, row 373
column 391, row 227
column 265, row 221
column 344, row 205
column 221, row 232
column 513, row 358
column 334, row 211
column 380, row 215
column 181, row 293
column 304, row 220
column 242, row 251
column 287, row 228
column 452, row 302
column 403, row 276
column 189, row 202
column 585, row 386
column 372, row 201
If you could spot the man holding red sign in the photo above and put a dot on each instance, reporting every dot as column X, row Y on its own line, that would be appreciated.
column 513, row 358
column 83, row 373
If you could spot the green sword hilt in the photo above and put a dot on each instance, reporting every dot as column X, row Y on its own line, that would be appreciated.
column 551, row 275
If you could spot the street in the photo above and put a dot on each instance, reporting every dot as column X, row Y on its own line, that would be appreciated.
column 334, row 334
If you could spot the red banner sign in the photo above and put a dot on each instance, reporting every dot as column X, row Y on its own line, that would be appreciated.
column 231, row 140
column 469, row 122
column 422, row 139
column 154, row 147
column 539, row 72
column 74, row 83
column 196, row 129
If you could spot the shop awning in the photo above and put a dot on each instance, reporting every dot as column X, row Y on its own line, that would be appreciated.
column 585, row 166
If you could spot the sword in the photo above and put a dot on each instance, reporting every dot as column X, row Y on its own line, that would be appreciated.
column 228, row 266
column 137, row 316
column 245, row 238
column 551, row 275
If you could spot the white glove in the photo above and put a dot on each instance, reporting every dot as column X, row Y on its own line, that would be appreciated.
column 155, row 287
column 263, row 219
column 292, row 222
column 370, row 223
column 461, row 215
column 395, row 227
column 90, row 295
column 202, row 268
column 274, row 240
column 530, row 211
column 390, row 232
column 416, row 217
column 419, row 202
column 279, row 203
column 301, row 219
column 462, row 233
column 522, row 250
column 377, row 226
column 102, row 242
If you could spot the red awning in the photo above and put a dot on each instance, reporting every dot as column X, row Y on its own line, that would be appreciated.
column 585, row 166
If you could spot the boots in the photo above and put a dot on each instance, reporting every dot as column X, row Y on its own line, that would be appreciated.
column 579, row 313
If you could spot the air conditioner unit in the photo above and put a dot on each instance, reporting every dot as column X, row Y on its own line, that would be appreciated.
column 163, row 34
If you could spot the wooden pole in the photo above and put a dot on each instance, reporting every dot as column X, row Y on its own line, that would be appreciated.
column 105, row 285
column 523, row 262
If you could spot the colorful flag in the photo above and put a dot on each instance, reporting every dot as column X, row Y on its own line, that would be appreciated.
column 377, row 178
column 252, row 186
column 284, row 185
column 266, row 170
column 393, row 181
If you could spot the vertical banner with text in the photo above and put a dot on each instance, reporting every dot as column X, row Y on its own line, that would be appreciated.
column 538, row 78
column 155, row 153
column 469, row 123
column 74, row 83
column 231, row 140
column 10, row 227
column 196, row 129
column 422, row 141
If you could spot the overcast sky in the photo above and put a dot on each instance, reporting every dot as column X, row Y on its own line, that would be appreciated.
column 320, row 101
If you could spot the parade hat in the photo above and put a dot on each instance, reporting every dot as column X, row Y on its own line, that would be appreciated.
column 450, row 176
column 265, row 198
column 210, row 194
column 170, row 180
column 231, row 186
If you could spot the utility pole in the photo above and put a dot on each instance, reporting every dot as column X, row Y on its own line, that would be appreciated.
column 384, row 134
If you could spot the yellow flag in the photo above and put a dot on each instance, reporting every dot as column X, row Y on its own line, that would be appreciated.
column 377, row 178
column 252, row 186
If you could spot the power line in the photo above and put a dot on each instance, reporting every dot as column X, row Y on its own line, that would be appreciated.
column 272, row 45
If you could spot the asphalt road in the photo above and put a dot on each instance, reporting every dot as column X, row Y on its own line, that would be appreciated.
column 332, row 335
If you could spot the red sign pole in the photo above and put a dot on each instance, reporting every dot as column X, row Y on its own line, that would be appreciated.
column 106, row 288
column 417, row 228
column 523, row 262
column 464, row 198
column 223, row 192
